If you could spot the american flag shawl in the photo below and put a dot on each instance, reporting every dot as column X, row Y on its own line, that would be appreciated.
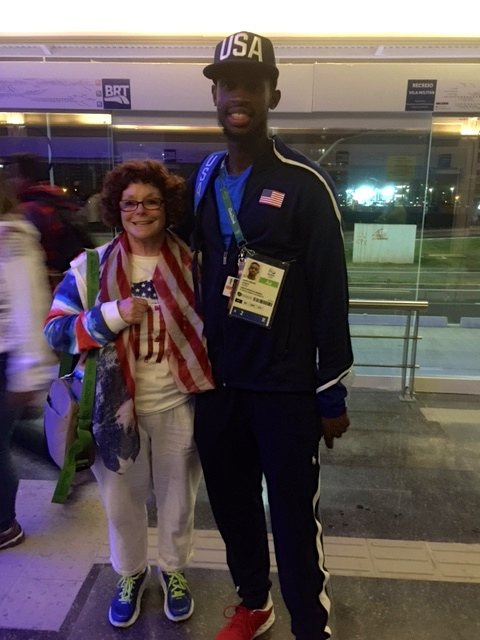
column 114, row 421
column 173, row 281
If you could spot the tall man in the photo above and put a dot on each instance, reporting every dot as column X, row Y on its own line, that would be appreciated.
column 279, row 346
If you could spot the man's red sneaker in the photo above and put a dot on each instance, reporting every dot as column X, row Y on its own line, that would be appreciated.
column 246, row 624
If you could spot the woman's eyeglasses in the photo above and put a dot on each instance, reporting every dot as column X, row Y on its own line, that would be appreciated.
column 148, row 203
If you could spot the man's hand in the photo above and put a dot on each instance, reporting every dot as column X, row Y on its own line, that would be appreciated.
column 333, row 428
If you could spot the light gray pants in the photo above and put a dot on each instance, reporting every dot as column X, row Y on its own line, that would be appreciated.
column 168, row 464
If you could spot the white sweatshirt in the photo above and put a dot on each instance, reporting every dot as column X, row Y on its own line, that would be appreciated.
column 25, row 300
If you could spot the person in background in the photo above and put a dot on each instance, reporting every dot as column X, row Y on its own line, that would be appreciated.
column 27, row 364
column 91, row 212
column 63, row 232
column 278, row 363
column 151, row 361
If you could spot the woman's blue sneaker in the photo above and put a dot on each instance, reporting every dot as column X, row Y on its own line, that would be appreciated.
column 178, row 599
column 125, row 607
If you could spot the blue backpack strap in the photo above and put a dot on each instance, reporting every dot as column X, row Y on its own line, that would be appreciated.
column 206, row 168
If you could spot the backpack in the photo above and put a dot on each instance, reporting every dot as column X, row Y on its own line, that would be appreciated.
column 69, row 406
column 63, row 234
column 74, row 239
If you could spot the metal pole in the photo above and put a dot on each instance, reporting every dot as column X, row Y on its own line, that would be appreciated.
column 414, row 352
column 406, row 345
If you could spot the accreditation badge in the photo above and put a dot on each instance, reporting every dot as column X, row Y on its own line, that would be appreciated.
column 256, row 294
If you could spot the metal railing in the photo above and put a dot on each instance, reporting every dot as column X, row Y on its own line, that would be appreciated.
column 411, row 309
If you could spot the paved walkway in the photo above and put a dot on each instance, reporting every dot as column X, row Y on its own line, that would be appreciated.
column 400, row 509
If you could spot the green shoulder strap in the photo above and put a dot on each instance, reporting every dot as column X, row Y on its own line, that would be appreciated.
column 84, row 442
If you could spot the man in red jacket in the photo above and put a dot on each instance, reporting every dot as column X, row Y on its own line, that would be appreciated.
column 63, row 235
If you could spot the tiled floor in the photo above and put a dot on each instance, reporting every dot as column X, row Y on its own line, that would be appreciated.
column 401, row 512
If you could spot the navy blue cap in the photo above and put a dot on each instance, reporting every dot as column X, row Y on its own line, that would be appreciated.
column 241, row 50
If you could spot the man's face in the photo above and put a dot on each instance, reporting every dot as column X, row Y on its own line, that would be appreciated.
column 253, row 270
column 243, row 100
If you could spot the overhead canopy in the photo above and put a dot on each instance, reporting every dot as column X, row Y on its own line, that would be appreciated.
column 192, row 18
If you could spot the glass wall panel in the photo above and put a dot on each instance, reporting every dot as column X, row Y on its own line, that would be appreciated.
column 410, row 205
column 409, row 193
column 404, row 187
column 75, row 149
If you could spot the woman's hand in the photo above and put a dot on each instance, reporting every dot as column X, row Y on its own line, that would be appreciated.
column 132, row 310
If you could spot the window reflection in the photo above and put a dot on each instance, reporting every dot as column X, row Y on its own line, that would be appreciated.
column 409, row 197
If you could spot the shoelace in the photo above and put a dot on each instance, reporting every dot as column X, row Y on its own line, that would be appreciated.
column 177, row 584
column 127, row 585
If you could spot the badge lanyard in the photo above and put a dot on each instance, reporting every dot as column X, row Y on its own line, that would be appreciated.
column 251, row 298
column 232, row 216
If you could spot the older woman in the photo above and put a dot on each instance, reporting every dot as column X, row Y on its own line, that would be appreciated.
column 151, row 360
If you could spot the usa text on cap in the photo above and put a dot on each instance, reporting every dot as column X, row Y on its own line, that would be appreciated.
column 243, row 48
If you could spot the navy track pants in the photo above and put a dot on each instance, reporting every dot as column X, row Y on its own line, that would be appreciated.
column 244, row 435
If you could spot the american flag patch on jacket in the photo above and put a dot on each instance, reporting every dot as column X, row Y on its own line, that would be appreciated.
column 274, row 198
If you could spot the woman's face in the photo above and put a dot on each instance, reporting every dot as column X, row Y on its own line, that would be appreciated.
column 145, row 224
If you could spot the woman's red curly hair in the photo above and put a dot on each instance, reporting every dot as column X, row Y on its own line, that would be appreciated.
column 171, row 187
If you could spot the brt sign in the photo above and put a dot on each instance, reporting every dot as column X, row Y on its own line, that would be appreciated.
column 116, row 94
